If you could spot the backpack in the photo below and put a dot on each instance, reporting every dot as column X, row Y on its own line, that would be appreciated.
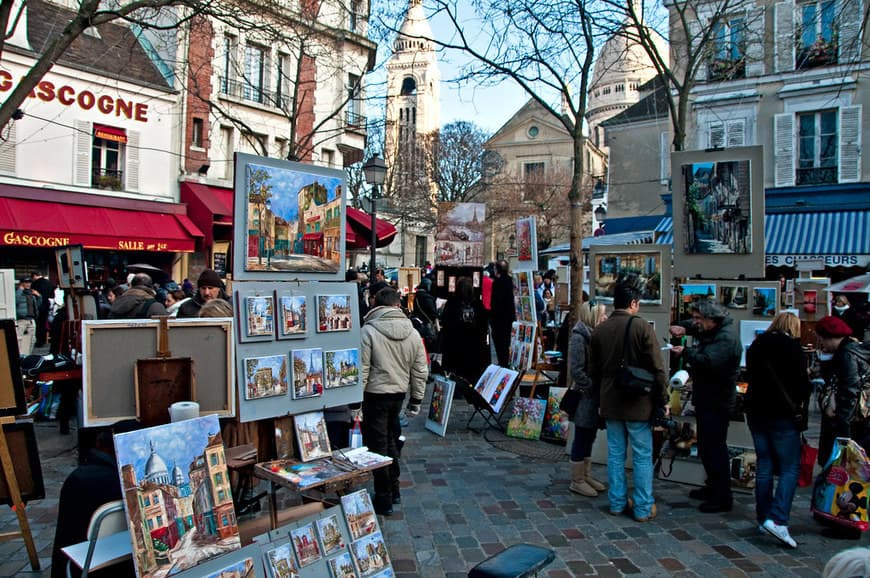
column 862, row 409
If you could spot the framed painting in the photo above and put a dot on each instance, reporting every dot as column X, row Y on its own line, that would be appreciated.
column 12, row 400
column 734, row 296
column 329, row 530
column 811, row 298
column 643, row 265
column 527, row 419
column 194, row 451
column 718, row 213
column 334, row 313
column 21, row 440
column 439, row 278
column 307, row 372
column 265, row 376
column 292, row 321
column 527, row 244
column 690, row 293
column 234, row 569
column 388, row 573
column 451, row 284
column 460, row 229
column 359, row 514
column 556, row 422
column 440, row 404
column 289, row 220
column 370, row 554
column 256, row 315
column 341, row 368
column 280, row 563
column 305, row 544
column 341, row 566
column 764, row 301
column 311, row 436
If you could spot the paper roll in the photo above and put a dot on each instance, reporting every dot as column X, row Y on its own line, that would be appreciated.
column 678, row 381
column 183, row 410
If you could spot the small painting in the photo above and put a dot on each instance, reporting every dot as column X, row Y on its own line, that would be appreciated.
column 240, row 569
column 475, row 279
column 642, row 267
column 305, row 544
column 329, row 530
column 556, row 422
column 312, row 436
column 291, row 316
column 342, row 566
column 439, row 405
column 527, row 419
column 527, row 244
column 764, row 301
column 172, row 469
column 280, row 562
column 342, row 368
column 809, row 298
column 439, row 278
column 451, row 284
column 716, row 207
column 333, row 313
column 690, row 293
column 260, row 313
column 307, row 373
column 359, row 514
column 460, row 230
column 370, row 554
column 265, row 376
column 734, row 297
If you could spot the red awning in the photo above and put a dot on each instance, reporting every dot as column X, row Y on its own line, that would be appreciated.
column 312, row 236
column 360, row 223
column 208, row 206
column 29, row 223
column 110, row 133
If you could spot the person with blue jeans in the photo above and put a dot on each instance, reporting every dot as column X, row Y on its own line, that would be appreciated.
column 629, row 338
column 776, row 403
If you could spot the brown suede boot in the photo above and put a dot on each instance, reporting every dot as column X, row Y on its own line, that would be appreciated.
column 587, row 475
column 579, row 485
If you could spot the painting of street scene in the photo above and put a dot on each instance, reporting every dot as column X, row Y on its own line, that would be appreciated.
column 459, row 232
column 305, row 544
column 241, row 569
column 293, row 220
column 265, row 376
column 370, row 554
column 359, row 514
column 342, row 566
column 291, row 316
column 527, row 244
column 281, row 563
column 330, row 534
column 260, row 313
column 734, row 297
column 307, row 373
column 764, row 301
column 311, row 434
column 717, row 207
column 333, row 313
column 177, row 495
column 644, row 269
column 342, row 367
column 691, row 293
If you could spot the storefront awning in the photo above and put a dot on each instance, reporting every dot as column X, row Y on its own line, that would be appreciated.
column 631, row 238
column 360, row 223
column 31, row 223
column 312, row 236
column 208, row 206
column 830, row 233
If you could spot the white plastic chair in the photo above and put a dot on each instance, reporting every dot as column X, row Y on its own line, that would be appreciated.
column 108, row 520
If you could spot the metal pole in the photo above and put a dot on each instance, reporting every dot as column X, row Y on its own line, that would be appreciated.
column 373, row 258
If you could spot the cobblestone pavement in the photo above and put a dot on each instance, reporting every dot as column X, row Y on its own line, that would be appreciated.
column 464, row 499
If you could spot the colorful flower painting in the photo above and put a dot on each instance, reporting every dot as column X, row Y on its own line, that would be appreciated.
column 527, row 419
column 556, row 422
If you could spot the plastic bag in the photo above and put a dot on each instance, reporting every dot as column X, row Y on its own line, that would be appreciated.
column 808, row 462
column 840, row 495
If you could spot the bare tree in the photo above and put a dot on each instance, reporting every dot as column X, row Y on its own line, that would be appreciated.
column 456, row 160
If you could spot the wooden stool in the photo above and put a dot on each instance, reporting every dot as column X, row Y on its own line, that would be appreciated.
column 517, row 561
column 241, row 460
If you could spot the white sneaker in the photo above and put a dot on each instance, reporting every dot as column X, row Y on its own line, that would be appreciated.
column 779, row 532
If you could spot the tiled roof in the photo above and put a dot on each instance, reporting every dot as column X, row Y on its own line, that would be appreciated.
column 114, row 53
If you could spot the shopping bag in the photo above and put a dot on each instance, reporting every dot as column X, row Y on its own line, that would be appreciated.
column 808, row 462
column 841, row 490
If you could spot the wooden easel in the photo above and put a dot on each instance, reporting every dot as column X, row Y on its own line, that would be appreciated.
column 15, row 498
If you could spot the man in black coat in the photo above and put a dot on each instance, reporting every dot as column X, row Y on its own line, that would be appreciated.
column 502, row 313
column 209, row 286
column 139, row 301
column 45, row 288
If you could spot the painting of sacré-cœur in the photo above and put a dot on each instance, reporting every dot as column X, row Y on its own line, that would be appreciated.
column 459, row 234
column 177, row 495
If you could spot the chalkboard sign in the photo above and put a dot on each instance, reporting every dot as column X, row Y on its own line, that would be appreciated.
column 220, row 264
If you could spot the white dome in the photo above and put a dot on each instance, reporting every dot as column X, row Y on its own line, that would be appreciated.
column 155, row 468
column 414, row 29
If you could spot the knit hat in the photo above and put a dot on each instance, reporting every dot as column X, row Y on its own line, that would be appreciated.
column 377, row 286
column 829, row 326
column 209, row 278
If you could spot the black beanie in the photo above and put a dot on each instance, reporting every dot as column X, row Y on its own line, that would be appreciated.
column 209, row 278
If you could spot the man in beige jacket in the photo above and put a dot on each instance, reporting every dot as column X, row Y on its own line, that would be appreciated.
column 393, row 363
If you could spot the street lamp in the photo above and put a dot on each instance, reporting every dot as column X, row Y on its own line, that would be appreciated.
column 375, row 171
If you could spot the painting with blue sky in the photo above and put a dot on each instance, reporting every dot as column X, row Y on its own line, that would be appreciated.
column 293, row 220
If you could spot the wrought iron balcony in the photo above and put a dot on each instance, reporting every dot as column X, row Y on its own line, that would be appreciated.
column 107, row 179
column 246, row 91
column 355, row 121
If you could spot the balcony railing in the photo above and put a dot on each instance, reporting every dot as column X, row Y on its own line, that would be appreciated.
column 247, row 92
column 107, row 179
column 726, row 69
column 820, row 53
column 817, row 176
column 355, row 121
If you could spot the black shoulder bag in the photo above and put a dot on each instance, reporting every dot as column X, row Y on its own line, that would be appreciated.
column 631, row 380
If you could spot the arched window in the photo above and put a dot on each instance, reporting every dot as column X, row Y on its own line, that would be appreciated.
column 409, row 86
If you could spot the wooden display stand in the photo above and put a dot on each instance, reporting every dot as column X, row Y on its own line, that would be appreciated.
column 15, row 497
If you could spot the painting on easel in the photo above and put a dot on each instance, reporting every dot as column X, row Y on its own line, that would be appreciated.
column 12, row 400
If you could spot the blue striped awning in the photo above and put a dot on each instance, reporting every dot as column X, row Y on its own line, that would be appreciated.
column 831, row 233
column 665, row 225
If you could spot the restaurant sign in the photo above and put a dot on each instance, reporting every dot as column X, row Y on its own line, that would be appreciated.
column 16, row 238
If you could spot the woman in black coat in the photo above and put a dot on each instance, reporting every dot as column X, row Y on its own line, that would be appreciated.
column 463, row 333
column 776, row 409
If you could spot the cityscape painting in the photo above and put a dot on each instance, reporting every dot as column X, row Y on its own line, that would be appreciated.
column 342, row 368
column 342, row 566
column 281, row 563
column 642, row 268
column 311, row 435
column 359, row 514
column 240, row 569
column 459, row 234
column 333, row 313
column 307, row 373
column 291, row 316
column 265, row 376
column 330, row 534
column 177, row 495
column 716, row 207
column 260, row 316
column 370, row 554
column 305, row 544
column 293, row 218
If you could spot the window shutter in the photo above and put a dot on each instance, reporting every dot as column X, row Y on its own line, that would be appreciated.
column 783, row 149
column 715, row 135
column 694, row 35
column 754, row 38
column 7, row 148
column 850, row 144
column 82, row 155
column 131, row 174
column 850, row 18
column 735, row 133
column 784, row 37
column 665, row 157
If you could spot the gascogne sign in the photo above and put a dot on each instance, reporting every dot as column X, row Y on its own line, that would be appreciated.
column 15, row 238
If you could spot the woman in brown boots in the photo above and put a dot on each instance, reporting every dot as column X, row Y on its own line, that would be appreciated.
column 586, row 419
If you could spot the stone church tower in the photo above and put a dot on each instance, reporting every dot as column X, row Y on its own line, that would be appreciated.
column 413, row 116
